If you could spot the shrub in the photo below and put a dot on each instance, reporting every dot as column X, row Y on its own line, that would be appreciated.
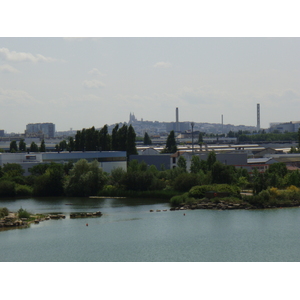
column 117, row 176
column 23, row 213
column 184, row 198
column 23, row 190
column 200, row 190
column 264, row 195
column 185, row 181
column 3, row 212
column 109, row 190
column 254, row 200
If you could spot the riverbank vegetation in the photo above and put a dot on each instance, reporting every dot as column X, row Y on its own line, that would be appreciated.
column 209, row 181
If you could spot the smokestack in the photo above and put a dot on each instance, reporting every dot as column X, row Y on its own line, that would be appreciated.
column 222, row 125
column 177, row 120
column 258, row 117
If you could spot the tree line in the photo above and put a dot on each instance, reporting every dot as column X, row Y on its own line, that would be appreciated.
column 122, row 139
column 22, row 147
column 140, row 180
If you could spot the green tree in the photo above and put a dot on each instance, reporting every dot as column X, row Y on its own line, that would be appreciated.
column 293, row 178
column 62, row 146
column 85, row 179
column 130, row 145
column 51, row 182
column 278, row 168
column 114, row 138
column 71, row 144
column 104, row 139
column 38, row 170
column 13, row 169
column 259, row 181
column 43, row 146
column 78, row 141
column 185, row 181
column 13, row 147
column 195, row 164
column 34, row 147
column 181, row 163
column 242, row 182
column 147, row 140
column 13, row 172
column 122, row 138
column 22, row 146
column 116, row 177
column 171, row 146
column 223, row 174
column 211, row 159
column 91, row 139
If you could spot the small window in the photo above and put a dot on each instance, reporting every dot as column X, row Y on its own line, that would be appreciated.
column 30, row 157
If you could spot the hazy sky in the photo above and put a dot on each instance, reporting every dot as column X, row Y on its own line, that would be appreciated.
column 82, row 82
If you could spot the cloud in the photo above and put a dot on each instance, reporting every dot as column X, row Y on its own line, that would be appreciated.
column 162, row 64
column 14, row 56
column 93, row 84
column 8, row 69
column 16, row 97
column 284, row 96
column 95, row 71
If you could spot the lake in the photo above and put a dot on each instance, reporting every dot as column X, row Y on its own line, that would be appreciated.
column 128, row 232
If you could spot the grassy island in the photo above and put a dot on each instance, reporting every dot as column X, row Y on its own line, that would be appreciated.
column 20, row 219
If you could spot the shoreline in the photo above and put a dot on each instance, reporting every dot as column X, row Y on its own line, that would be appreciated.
column 12, row 220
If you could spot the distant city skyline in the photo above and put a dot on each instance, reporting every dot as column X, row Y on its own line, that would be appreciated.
column 83, row 82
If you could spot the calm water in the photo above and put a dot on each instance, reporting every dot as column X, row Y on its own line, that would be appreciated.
column 127, row 231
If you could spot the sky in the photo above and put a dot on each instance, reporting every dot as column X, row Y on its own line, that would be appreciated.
column 83, row 82
column 207, row 58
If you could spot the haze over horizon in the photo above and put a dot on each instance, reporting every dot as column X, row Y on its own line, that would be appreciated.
column 83, row 82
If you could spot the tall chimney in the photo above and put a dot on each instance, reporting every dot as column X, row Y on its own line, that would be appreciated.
column 222, row 125
column 177, row 120
column 258, row 117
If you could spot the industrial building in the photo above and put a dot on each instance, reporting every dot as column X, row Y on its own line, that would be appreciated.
column 285, row 127
column 108, row 160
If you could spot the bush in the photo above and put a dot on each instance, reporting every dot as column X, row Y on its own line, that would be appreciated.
column 23, row 190
column 271, row 197
column 264, row 195
column 184, row 198
column 3, row 212
column 185, row 181
column 23, row 213
column 200, row 190
column 254, row 200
